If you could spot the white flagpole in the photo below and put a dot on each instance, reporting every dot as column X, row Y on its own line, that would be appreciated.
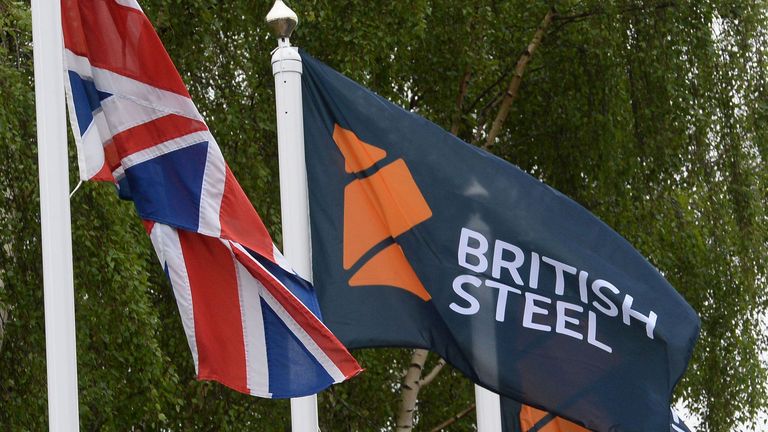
column 55, row 222
column 488, row 410
column 294, row 202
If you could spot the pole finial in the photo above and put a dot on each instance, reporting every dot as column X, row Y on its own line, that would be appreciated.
column 282, row 20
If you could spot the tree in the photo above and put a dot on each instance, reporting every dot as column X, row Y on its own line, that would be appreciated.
column 648, row 113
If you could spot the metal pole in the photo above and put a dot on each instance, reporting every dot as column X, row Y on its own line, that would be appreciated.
column 287, row 69
column 488, row 410
column 55, row 222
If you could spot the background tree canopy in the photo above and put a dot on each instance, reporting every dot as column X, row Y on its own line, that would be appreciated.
column 649, row 113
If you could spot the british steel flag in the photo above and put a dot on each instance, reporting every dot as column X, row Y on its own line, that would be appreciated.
column 252, row 324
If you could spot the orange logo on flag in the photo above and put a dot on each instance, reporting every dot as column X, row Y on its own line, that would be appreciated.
column 530, row 418
column 378, row 207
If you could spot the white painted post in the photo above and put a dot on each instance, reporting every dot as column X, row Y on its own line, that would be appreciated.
column 294, row 202
column 55, row 222
column 488, row 410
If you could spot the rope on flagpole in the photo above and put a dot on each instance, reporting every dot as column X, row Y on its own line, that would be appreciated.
column 80, row 183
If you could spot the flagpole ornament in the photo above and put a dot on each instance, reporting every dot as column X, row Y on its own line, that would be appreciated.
column 282, row 20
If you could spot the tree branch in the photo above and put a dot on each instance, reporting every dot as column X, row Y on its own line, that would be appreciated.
column 352, row 409
column 481, row 116
column 517, row 78
column 488, row 89
column 565, row 19
column 454, row 419
column 463, row 86
column 433, row 373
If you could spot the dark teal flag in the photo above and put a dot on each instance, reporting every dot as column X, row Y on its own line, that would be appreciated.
column 422, row 240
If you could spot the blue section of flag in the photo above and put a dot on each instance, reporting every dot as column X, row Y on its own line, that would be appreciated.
column 167, row 188
column 124, row 189
column 292, row 369
column 302, row 289
column 87, row 99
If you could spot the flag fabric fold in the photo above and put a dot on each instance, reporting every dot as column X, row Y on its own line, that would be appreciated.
column 252, row 324
column 421, row 240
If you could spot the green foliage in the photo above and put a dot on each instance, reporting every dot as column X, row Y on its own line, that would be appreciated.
column 649, row 113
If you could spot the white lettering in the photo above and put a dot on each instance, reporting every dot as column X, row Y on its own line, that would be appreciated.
column 583, row 294
column 627, row 313
column 474, row 305
column 501, row 303
column 542, row 313
column 560, row 268
column 609, row 308
column 512, row 266
column 592, row 334
column 531, row 308
column 562, row 319
column 478, row 251
column 533, row 280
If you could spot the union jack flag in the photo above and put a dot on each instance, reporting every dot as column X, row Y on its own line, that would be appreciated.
column 252, row 324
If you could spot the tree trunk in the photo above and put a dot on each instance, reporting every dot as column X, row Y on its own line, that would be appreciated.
column 410, row 393
column 412, row 384
column 517, row 78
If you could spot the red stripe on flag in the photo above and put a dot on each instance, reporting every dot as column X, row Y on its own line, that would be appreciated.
column 239, row 220
column 119, row 39
column 111, row 163
column 155, row 132
column 111, row 158
column 319, row 333
column 216, row 308
column 104, row 174
column 148, row 225
column 74, row 36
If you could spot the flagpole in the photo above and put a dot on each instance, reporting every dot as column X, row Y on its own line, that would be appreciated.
column 488, row 410
column 294, row 202
column 55, row 221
